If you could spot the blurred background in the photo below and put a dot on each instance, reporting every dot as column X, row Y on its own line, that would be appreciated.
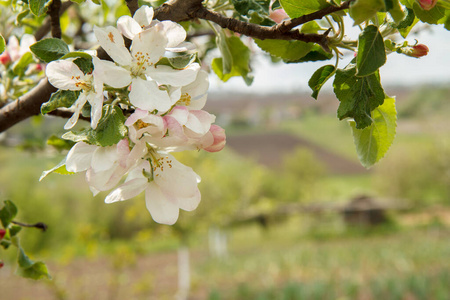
column 287, row 211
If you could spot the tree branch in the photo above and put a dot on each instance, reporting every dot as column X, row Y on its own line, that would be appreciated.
column 53, row 12
column 45, row 28
column 132, row 5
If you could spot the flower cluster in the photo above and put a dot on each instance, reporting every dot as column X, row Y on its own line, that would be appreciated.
column 163, row 106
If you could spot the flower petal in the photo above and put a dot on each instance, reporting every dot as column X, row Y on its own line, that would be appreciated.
column 128, row 26
column 166, row 75
column 199, row 121
column 79, row 157
column 175, row 33
column 197, row 90
column 78, row 106
column 65, row 75
column 189, row 204
column 144, row 15
column 163, row 208
column 111, row 74
column 146, row 95
column 127, row 190
column 112, row 42
column 149, row 46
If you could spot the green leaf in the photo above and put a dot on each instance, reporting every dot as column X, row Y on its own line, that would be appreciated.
column 2, row 44
column 60, row 168
column 14, row 230
column 362, row 10
column 316, row 54
column 432, row 16
column 371, row 52
column 59, row 143
column 38, row 7
column 358, row 95
column 396, row 12
column 319, row 78
column 77, row 54
column 111, row 128
column 76, row 136
column 240, row 58
column 178, row 62
column 298, row 8
column 289, row 51
column 7, row 213
column 31, row 269
column 227, row 57
column 61, row 98
column 22, row 64
column 374, row 141
column 49, row 49
column 85, row 64
column 246, row 7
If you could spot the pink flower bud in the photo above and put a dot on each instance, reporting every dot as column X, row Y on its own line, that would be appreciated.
column 1, row 264
column 5, row 58
column 418, row 50
column 278, row 15
column 218, row 134
column 427, row 4
column 2, row 233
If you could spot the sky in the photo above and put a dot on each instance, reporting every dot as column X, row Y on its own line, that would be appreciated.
column 398, row 70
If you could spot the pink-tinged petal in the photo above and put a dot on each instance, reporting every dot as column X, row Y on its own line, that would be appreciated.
column 199, row 121
column 175, row 33
column 197, row 91
column 123, row 151
column 166, row 75
column 128, row 190
column 104, row 180
column 65, row 75
column 146, row 95
column 111, row 41
column 144, row 15
column 154, row 125
column 77, row 106
column 79, row 157
column 163, row 208
column 189, row 204
column 138, row 114
column 135, row 157
column 14, row 48
column 219, row 139
column 25, row 42
column 180, row 114
column 111, row 74
column 149, row 46
column 174, row 178
column 128, row 26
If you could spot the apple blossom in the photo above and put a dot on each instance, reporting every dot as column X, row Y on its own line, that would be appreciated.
column 417, row 51
column 168, row 185
column 427, row 4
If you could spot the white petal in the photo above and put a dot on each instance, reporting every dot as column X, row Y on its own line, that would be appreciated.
column 174, row 178
column 111, row 74
column 127, row 190
column 166, row 75
column 79, row 157
column 189, row 204
column 111, row 41
column 180, row 114
column 199, row 121
column 128, row 26
column 138, row 114
column 25, row 42
column 104, row 158
column 175, row 33
column 144, row 15
column 163, row 208
column 146, row 95
column 183, row 47
column 197, row 90
column 78, row 106
column 64, row 75
column 149, row 45
column 96, row 102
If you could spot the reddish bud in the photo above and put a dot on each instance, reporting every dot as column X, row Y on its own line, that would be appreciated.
column 427, row 4
column 5, row 58
column 1, row 264
column 418, row 50
column 278, row 15
column 219, row 137
column 2, row 233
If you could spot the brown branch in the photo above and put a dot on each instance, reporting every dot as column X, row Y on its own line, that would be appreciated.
column 46, row 26
column 53, row 12
column 132, row 5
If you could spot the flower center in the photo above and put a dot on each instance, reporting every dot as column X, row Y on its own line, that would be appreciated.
column 185, row 100
column 141, row 63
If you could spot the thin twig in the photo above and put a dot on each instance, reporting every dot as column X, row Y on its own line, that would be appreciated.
column 46, row 26
column 38, row 225
column 53, row 12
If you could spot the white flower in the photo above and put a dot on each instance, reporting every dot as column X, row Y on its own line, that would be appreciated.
column 147, row 49
column 66, row 75
column 16, row 50
column 168, row 185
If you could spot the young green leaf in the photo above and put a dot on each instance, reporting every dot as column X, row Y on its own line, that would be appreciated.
column 7, row 213
column 38, row 7
column 371, row 52
column 61, row 98
column 359, row 96
column 60, row 168
column 296, row 8
column 240, row 57
column 224, row 47
column 2, row 44
column 31, row 269
column 111, row 128
column 319, row 78
column 22, row 64
column 362, row 10
column 49, row 49
column 246, row 7
column 289, row 51
column 374, row 141
column 59, row 143
column 436, row 15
